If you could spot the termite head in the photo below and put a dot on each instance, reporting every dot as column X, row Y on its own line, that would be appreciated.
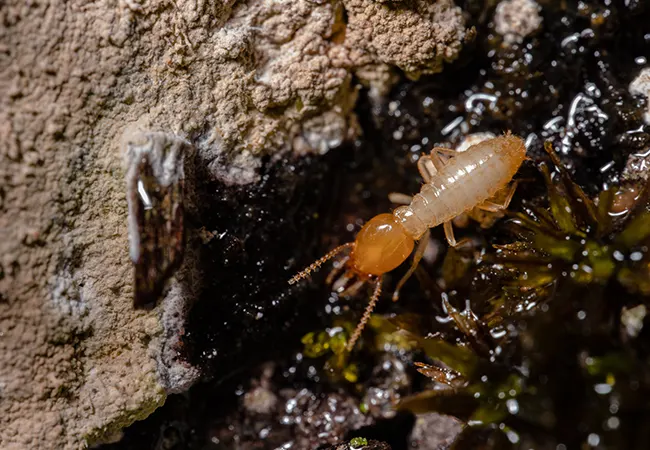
column 381, row 246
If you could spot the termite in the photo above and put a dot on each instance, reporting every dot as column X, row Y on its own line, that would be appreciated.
column 464, row 181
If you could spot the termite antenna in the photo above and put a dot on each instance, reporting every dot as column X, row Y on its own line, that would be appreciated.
column 366, row 316
column 316, row 264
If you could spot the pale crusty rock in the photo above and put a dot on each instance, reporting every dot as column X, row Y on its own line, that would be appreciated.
column 517, row 19
column 295, row 69
column 238, row 80
column 641, row 86
column 417, row 36
column 379, row 78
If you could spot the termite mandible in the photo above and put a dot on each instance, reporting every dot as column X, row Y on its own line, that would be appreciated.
column 466, row 180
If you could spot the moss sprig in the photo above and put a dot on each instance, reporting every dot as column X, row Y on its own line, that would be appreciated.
column 558, row 356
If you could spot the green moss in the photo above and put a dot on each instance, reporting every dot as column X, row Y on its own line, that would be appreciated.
column 575, row 238
column 330, row 344
column 358, row 442
column 543, row 353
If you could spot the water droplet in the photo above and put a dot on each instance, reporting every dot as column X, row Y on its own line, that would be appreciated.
column 513, row 406
column 613, row 423
column 636, row 256
column 146, row 201
column 606, row 167
column 472, row 100
column 603, row 388
column 512, row 436
column 498, row 332
column 451, row 126
column 443, row 319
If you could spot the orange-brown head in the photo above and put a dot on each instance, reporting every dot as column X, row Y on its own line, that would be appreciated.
column 381, row 246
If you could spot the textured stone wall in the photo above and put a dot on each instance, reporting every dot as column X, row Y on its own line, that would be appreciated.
column 237, row 81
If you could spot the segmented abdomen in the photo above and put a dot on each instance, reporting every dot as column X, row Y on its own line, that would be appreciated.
column 464, row 182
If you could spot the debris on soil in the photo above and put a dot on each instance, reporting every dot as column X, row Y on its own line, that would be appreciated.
column 360, row 444
column 433, row 431
column 300, row 419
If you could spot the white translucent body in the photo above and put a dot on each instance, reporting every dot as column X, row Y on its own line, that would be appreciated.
column 465, row 181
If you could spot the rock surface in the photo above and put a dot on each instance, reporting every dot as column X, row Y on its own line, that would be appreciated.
column 417, row 36
column 517, row 19
column 641, row 86
column 237, row 81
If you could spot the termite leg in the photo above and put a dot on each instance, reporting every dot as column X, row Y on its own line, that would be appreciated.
column 511, row 193
column 341, row 284
column 449, row 233
column 400, row 199
column 436, row 153
column 366, row 315
column 444, row 151
column 352, row 290
column 417, row 257
column 496, row 207
column 490, row 206
column 426, row 171
column 316, row 264
column 464, row 243
column 337, row 269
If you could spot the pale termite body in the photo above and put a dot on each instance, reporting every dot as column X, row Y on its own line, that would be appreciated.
column 454, row 183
